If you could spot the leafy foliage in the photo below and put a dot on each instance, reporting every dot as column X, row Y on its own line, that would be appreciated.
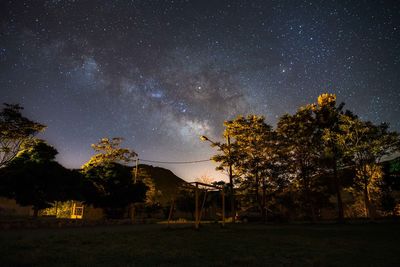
column 15, row 129
column 302, row 163
column 301, row 144
column 166, row 184
column 113, row 188
column 111, row 183
column 110, row 151
column 254, row 145
column 34, row 178
column 366, row 143
column 153, row 195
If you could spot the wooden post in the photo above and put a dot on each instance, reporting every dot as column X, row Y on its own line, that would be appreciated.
column 136, row 170
column 132, row 212
column 73, row 216
column 197, row 206
column 223, row 207
column 171, row 210
column 203, row 204
column 233, row 208
column 56, row 209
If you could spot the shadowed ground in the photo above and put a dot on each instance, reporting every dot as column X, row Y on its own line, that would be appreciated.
column 236, row 245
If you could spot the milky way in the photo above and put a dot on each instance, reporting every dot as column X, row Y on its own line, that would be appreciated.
column 161, row 73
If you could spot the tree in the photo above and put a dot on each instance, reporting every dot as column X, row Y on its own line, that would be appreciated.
column 112, row 183
column 113, row 188
column 226, row 158
column 110, row 151
column 254, row 143
column 301, row 145
column 366, row 144
column 15, row 129
column 328, row 119
column 152, row 194
column 205, row 179
column 34, row 178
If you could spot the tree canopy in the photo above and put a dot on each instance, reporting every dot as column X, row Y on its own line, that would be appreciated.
column 34, row 178
column 320, row 157
column 15, row 129
column 109, row 152
column 304, row 159
column 112, row 185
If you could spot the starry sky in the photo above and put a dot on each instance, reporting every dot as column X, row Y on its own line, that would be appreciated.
column 161, row 73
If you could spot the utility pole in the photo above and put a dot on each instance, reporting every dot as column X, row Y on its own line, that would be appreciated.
column 136, row 170
column 132, row 206
column 197, row 207
column 233, row 209
column 223, row 206
column 230, row 171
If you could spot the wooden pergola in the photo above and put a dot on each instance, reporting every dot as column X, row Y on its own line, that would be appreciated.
column 198, row 208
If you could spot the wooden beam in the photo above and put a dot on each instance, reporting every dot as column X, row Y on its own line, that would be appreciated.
column 197, row 222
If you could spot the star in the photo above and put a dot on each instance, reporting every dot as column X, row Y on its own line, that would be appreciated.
column 166, row 72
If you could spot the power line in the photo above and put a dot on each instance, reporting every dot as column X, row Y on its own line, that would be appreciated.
column 175, row 162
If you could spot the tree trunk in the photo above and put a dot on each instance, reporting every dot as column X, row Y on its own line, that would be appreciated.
column 256, row 185
column 309, row 205
column 263, row 200
column 132, row 212
column 313, row 215
column 35, row 212
column 233, row 206
column 367, row 202
column 338, row 193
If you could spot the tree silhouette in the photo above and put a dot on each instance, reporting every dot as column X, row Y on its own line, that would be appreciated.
column 333, row 157
column 366, row 144
column 302, row 147
column 34, row 178
column 112, row 183
column 110, row 151
column 254, row 147
column 15, row 129
column 113, row 188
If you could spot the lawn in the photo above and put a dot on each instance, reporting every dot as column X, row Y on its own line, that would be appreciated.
column 181, row 245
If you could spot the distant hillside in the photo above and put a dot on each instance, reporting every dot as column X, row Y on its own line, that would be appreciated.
column 164, row 180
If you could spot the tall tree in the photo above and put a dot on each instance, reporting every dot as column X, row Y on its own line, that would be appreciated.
column 301, row 144
column 366, row 144
column 253, row 141
column 328, row 121
column 113, row 187
column 109, row 151
column 14, row 130
column 34, row 178
column 226, row 157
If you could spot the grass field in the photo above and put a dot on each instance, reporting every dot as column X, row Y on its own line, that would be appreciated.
column 181, row 245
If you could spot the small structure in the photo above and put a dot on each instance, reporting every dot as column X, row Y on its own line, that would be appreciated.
column 199, row 209
column 76, row 210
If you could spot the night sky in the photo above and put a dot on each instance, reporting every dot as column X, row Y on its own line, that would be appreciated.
column 161, row 73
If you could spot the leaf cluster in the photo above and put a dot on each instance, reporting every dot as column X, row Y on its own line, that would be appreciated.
column 15, row 129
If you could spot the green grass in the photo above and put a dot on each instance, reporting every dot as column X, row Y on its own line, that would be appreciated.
column 181, row 245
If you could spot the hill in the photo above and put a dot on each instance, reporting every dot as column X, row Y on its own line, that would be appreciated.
column 164, row 181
